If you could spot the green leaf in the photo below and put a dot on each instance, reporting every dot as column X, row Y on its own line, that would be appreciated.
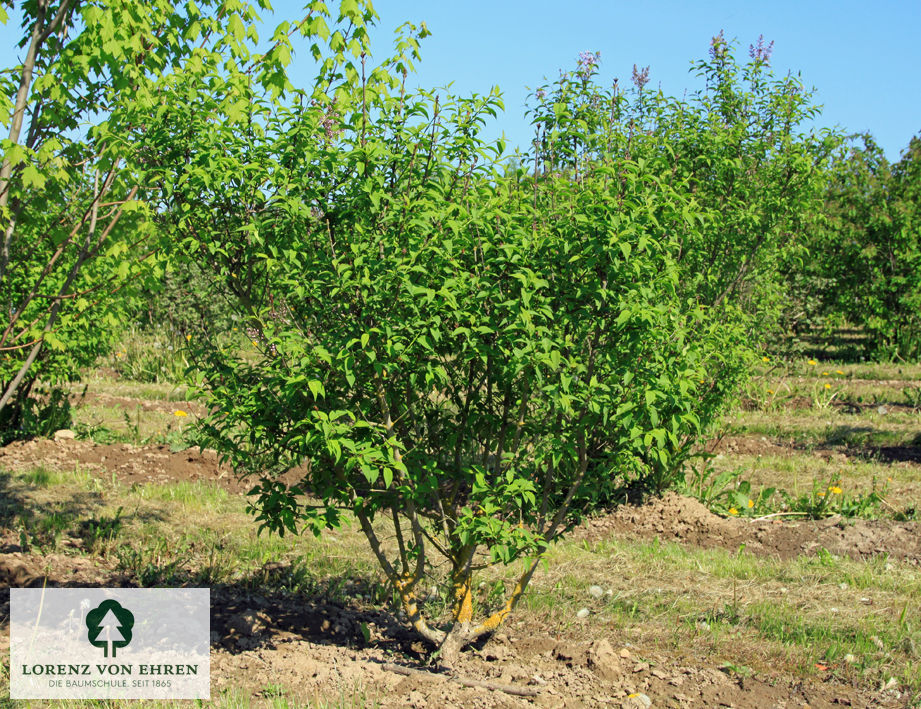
column 316, row 388
column 31, row 177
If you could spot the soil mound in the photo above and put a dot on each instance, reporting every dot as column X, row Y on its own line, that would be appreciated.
column 130, row 464
column 674, row 517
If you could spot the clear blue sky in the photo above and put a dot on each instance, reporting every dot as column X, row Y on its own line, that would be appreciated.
column 862, row 57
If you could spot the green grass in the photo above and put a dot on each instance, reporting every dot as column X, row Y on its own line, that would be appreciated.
column 193, row 496
column 277, row 697
column 129, row 389
column 816, row 428
column 854, row 433
column 797, row 613
column 796, row 472
column 760, row 613
column 763, row 613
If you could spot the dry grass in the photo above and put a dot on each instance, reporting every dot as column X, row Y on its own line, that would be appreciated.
column 713, row 605
column 860, row 620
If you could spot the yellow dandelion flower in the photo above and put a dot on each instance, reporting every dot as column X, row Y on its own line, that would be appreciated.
column 254, row 342
column 770, row 391
column 838, row 371
column 733, row 511
column 235, row 329
column 824, row 374
column 821, row 494
column 835, row 490
column 179, row 412
column 828, row 386
column 765, row 359
column 751, row 503
column 188, row 337
column 812, row 363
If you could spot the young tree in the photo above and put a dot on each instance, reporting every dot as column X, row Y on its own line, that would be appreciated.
column 77, row 233
column 738, row 146
column 867, row 258
column 472, row 357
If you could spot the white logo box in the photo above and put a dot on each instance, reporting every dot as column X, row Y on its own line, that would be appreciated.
column 110, row 643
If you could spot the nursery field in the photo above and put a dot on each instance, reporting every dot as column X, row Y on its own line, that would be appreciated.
column 785, row 574
column 623, row 415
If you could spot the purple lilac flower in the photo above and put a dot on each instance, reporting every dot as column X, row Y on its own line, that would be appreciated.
column 759, row 52
column 588, row 63
column 718, row 46
column 330, row 118
column 640, row 77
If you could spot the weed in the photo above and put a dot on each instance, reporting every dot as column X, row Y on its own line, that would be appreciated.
column 823, row 394
column 913, row 397
column 724, row 492
column 38, row 477
column 829, row 499
column 160, row 563
column 150, row 358
column 96, row 532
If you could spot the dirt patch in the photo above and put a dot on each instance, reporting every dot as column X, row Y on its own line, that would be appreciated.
column 673, row 517
column 761, row 445
column 307, row 649
column 130, row 464
column 748, row 445
column 131, row 404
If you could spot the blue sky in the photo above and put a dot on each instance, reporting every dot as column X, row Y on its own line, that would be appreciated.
column 862, row 57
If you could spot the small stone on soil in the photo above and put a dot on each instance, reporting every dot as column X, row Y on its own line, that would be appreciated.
column 639, row 700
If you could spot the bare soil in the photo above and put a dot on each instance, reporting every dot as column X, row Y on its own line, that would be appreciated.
column 130, row 464
column 316, row 650
column 313, row 649
column 751, row 444
column 681, row 519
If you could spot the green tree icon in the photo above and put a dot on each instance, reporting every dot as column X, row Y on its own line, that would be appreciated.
column 109, row 626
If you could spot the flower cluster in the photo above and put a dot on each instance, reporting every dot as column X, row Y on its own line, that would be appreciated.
column 330, row 119
column 718, row 46
column 640, row 77
column 540, row 94
column 588, row 63
column 761, row 53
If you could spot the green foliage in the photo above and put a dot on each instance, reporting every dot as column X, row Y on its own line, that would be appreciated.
column 478, row 355
column 77, row 231
column 825, row 500
column 867, row 260
column 726, row 493
column 42, row 411
column 143, row 356
column 755, row 181
column 190, row 301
